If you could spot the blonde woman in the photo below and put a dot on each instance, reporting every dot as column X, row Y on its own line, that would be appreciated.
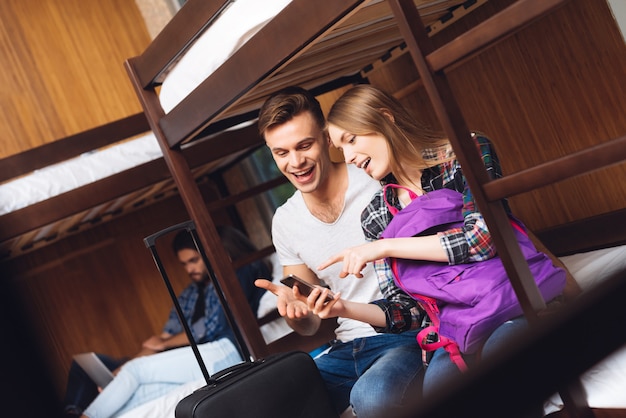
column 378, row 135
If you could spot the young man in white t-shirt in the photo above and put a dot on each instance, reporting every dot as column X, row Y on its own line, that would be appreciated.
column 375, row 373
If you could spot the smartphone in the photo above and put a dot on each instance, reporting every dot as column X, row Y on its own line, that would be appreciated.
column 303, row 286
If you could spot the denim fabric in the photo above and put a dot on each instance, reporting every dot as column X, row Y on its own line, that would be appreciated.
column 81, row 390
column 442, row 370
column 145, row 378
column 374, row 374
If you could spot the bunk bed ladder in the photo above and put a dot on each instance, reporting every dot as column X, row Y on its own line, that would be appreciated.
column 430, row 64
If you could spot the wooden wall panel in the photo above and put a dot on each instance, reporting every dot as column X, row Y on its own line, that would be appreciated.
column 554, row 88
column 62, row 67
column 98, row 290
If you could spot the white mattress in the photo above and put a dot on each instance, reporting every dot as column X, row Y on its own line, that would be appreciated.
column 62, row 177
column 237, row 24
column 605, row 383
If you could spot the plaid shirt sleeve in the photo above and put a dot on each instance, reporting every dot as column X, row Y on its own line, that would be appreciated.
column 187, row 301
column 472, row 242
column 402, row 312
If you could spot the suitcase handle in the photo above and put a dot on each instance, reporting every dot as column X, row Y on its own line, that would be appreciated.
column 150, row 240
column 190, row 226
column 232, row 370
column 240, row 367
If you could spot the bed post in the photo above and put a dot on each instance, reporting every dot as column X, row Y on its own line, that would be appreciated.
column 190, row 193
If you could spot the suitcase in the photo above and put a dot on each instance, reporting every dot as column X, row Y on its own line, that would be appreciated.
column 285, row 385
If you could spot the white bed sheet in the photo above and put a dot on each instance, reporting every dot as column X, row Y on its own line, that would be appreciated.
column 605, row 383
column 234, row 27
column 87, row 168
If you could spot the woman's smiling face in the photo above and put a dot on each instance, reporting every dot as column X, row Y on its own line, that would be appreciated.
column 369, row 152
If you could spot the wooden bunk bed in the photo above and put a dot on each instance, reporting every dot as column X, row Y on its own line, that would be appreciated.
column 358, row 31
column 328, row 47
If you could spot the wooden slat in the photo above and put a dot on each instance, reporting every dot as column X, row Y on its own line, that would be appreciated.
column 581, row 162
column 251, row 192
column 495, row 29
column 257, row 255
column 239, row 315
column 598, row 232
column 173, row 40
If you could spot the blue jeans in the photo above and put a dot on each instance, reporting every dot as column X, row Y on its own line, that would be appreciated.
column 376, row 374
column 442, row 370
column 145, row 378
column 81, row 390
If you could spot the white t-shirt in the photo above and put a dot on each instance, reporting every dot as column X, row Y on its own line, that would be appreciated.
column 301, row 238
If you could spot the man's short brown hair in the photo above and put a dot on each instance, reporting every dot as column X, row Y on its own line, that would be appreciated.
column 285, row 104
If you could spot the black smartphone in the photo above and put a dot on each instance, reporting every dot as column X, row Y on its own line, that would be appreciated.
column 303, row 286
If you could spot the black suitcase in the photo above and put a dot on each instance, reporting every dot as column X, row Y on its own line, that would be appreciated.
column 282, row 385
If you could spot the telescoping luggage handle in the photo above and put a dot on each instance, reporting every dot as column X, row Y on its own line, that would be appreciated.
column 150, row 242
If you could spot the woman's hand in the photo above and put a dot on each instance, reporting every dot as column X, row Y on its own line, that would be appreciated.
column 355, row 259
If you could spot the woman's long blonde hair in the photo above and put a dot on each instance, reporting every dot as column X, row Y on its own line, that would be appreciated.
column 365, row 110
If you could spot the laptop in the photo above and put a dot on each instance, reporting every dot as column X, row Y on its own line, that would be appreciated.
column 95, row 368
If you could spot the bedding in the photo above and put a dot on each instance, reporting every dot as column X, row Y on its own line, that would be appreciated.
column 61, row 177
column 236, row 25
column 605, row 382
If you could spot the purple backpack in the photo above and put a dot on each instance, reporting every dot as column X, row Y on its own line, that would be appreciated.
column 466, row 302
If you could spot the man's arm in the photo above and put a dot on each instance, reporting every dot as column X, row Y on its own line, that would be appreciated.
column 165, row 341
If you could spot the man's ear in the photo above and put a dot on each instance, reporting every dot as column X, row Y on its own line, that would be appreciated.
column 327, row 135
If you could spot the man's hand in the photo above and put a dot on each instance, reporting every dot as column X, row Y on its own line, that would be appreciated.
column 293, row 307
column 290, row 302
column 155, row 344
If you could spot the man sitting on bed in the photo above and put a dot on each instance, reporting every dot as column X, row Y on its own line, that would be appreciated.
column 205, row 316
column 374, row 373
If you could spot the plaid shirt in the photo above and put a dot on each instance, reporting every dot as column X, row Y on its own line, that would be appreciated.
column 213, row 325
column 470, row 243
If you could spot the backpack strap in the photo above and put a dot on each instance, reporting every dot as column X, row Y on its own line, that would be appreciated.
column 392, row 208
column 428, row 304
column 442, row 342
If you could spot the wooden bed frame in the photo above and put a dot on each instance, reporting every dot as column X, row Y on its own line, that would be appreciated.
column 236, row 88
